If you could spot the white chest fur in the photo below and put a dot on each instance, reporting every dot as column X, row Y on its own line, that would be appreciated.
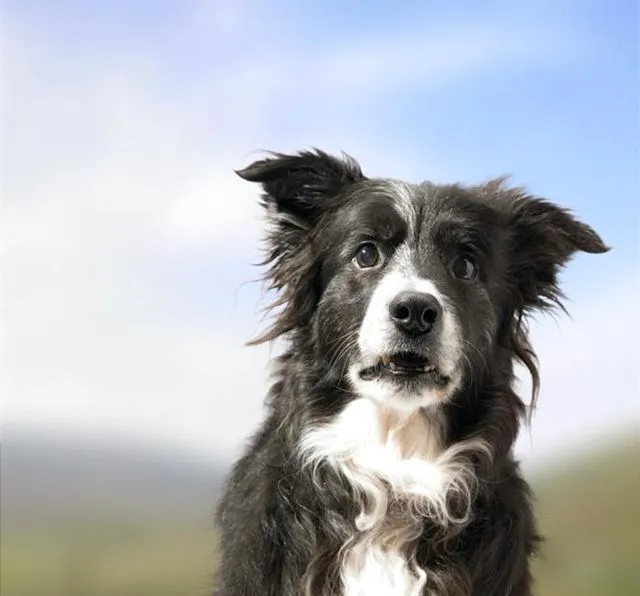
column 389, row 457
column 380, row 571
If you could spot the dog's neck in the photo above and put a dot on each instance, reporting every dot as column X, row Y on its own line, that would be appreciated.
column 410, row 434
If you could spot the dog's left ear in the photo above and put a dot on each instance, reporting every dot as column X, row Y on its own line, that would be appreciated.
column 544, row 237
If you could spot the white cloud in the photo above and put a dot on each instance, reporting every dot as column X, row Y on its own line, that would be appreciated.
column 106, row 169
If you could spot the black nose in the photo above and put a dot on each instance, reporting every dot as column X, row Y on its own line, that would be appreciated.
column 415, row 313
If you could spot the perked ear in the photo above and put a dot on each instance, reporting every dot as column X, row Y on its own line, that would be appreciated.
column 297, row 190
column 544, row 238
column 296, row 186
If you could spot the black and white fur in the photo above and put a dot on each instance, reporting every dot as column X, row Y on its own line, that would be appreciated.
column 384, row 465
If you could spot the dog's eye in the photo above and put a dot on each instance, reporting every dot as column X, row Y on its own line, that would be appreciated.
column 464, row 268
column 367, row 255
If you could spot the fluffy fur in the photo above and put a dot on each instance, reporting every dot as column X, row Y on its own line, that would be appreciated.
column 384, row 463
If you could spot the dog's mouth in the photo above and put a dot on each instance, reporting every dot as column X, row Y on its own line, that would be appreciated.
column 408, row 365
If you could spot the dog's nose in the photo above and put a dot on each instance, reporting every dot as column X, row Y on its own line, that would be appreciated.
column 415, row 313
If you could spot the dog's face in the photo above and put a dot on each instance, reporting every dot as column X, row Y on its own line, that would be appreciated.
column 411, row 268
column 407, row 290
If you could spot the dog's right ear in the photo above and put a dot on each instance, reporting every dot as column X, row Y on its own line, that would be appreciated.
column 297, row 190
column 297, row 186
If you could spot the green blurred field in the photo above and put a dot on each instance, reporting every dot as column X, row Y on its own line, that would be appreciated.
column 121, row 558
column 590, row 512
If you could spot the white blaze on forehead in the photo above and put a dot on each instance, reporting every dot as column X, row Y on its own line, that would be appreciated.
column 404, row 201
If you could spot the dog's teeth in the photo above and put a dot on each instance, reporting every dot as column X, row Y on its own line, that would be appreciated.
column 386, row 360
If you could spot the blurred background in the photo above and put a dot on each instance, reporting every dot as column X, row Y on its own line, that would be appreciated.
column 128, row 246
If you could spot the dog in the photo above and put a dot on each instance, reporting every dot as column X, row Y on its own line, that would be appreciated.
column 384, row 464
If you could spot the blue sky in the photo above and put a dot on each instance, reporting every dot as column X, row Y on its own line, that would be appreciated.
column 124, row 121
column 567, row 125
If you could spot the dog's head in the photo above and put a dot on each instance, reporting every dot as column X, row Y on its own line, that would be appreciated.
column 408, row 290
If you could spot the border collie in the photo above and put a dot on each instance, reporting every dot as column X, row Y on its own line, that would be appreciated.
column 384, row 464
